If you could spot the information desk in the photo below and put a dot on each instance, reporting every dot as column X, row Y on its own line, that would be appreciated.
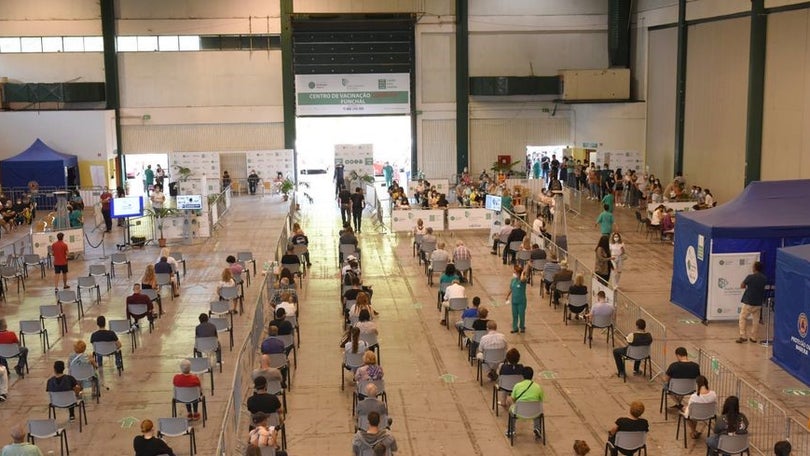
column 405, row 219
column 469, row 218
column 74, row 238
column 677, row 206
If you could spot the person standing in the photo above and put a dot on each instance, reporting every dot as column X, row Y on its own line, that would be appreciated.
column 226, row 180
column 517, row 293
column 618, row 254
column 605, row 221
column 603, row 258
column 338, row 177
column 160, row 174
column 158, row 197
column 59, row 249
column 253, row 181
column 358, row 204
column 345, row 202
column 388, row 172
column 148, row 179
column 752, row 299
column 106, row 199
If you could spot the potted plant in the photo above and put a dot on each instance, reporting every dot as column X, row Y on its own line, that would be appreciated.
column 158, row 214
column 508, row 170
column 287, row 186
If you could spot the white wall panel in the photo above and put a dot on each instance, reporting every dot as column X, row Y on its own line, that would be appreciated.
column 510, row 136
column 224, row 78
column 49, row 9
column 170, row 138
column 661, row 87
column 534, row 7
column 183, row 9
column 73, row 67
column 433, row 7
column 90, row 135
column 541, row 54
column 786, row 139
column 437, row 67
column 437, row 156
column 716, row 101
column 246, row 25
column 614, row 126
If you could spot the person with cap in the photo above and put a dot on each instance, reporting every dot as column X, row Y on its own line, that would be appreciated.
column 272, row 345
column 262, row 401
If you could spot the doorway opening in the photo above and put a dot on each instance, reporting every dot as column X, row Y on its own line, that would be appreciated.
column 136, row 165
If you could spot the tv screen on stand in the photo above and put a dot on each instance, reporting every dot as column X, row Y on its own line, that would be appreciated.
column 493, row 203
column 128, row 206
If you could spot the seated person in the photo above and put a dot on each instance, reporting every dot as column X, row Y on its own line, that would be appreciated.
column 370, row 371
column 730, row 421
column 439, row 255
column 537, row 253
column 361, row 303
column 235, row 267
column 286, row 303
column 578, row 288
column 371, row 403
column 550, row 269
column 364, row 323
column 681, row 368
column 262, row 435
column 668, row 225
column 527, row 390
column 633, row 423
column 657, row 216
column 299, row 238
column 469, row 312
column 272, row 345
column 601, row 307
column 105, row 335
column 511, row 366
column 139, row 298
column 61, row 382
column 506, row 229
column 164, row 267
column 355, row 344
column 378, row 441
column 637, row 338
column 271, row 374
column 563, row 275
column 262, row 401
column 186, row 379
column 285, row 328
column 455, row 290
column 74, row 215
column 290, row 258
column 492, row 340
column 207, row 329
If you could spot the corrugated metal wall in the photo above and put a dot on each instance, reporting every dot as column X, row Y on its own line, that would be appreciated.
column 661, row 102
column 140, row 139
column 492, row 137
column 437, row 156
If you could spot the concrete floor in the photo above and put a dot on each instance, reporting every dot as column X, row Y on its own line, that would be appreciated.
column 437, row 405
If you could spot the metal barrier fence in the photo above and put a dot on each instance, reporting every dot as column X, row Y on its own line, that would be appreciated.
column 572, row 199
column 799, row 436
column 233, row 431
column 43, row 197
column 218, row 205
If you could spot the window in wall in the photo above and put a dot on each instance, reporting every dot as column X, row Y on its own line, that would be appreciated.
column 140, row 43
column 9, row 45
column 31, row 44
column 93, row 44
column 168, row 43
column 73, row 43
column 51, row 44
column 147, row 43
column 127, row 43
column 189, row 43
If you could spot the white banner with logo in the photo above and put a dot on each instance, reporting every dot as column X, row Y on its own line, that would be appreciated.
column 352, row 94
column 357, row 161
column 405, row 219
column 469, row 218
column 726, row 272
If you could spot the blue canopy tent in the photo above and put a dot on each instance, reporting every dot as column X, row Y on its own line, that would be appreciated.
column 767, row 215
column 791, row 346
column 41, row 164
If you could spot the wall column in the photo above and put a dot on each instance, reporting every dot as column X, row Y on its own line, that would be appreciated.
column 111, row 85
column 288, row 80
column 462, row 86
column 680, row 88
column 756, row 92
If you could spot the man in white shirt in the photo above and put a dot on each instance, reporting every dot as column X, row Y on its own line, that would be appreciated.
column 492, row 340
column 539, row 225
column 440, row 254
column 286, row 303
column 503, row 234
column 454, row 290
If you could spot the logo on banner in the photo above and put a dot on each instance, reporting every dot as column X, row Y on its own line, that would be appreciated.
column 802, row 325
column 691, row 265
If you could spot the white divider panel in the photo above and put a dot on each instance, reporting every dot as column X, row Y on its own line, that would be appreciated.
column 469, row 218
column 442, row 185
column 74, row 238
column 200, row 163
column 405, row 219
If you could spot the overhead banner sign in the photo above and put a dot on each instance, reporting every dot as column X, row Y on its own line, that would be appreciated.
column 352, row 94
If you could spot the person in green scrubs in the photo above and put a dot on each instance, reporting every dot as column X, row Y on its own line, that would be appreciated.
column 517, row 292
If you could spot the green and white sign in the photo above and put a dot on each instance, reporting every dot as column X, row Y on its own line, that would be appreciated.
column 352, row 94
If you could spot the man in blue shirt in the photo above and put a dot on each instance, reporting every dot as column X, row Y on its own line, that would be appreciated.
column 752, row 299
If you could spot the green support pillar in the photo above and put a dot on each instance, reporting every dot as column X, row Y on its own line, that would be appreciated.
column 111, row 85
column 756, row 91
column 288, row 79
column 680, row 88
column 462, row 86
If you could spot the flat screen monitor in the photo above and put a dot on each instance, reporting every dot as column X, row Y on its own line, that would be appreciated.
column 493, row 203
column 128, row 206
column 189, row 202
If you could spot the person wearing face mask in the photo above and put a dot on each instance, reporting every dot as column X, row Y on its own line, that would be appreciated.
column 617, row 252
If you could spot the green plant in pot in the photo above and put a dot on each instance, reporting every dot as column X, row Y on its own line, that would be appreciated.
column 159, row 214
column 287, row 186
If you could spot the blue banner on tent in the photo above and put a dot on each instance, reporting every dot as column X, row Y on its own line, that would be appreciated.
column 690, row 267
column 791, row 344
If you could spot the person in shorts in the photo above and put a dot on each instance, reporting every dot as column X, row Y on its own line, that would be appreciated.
column 59, row 250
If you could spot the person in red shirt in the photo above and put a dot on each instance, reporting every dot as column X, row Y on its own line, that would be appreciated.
column 60, row 262
column 139, row 298
column 186, row 379
column 9, row 337
column 106, row 197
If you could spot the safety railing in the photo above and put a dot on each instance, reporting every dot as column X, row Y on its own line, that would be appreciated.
column 218, row 205
column 572, row 199
column 43, row 196
column 235, row 418
column 798, row 434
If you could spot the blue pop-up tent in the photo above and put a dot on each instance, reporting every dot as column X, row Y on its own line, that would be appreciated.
column 791, row 345
column 767, row 215
column 41, row 164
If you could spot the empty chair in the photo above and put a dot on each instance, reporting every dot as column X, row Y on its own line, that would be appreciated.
column 10, row 351
column 155, row 297
column 347, row 250
column 628, row 441
column 639, row 353
column 523, row 256
column 119, row 259
column 100, row 270
column 474, row 340
column 372, row 343
column 220, row 309
column 178, row 258
column 206, row 346
column 103, row 349
column 561, row 288
column 575, row 302
column 165, row 279
column 89, row 283
column 33, row 260
column 124, row 328
column 677, row 388
column 599, row 322
column 177, row 427
column 697, row 412
column 223, row 326
column 536, row 265
column 502, row 239
column 54, row 311
column 66, row 400
column 434, row 266
column 464, row 267
column 231, row 293
column 70, row 297
column 466, row 325
column 240, row 282
column 202, row 366
column 46, row 429
column 527, row 410
column 31, row 327
column 293, row 319
column 513, row 248
column 189, row 395
column 246, row 257
column 492, row 358
column 11, row 272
